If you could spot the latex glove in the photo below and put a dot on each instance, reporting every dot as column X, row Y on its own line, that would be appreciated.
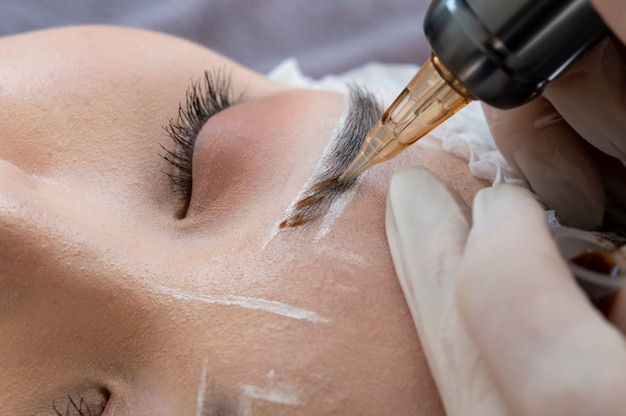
column 504, row 326
column 567, row 143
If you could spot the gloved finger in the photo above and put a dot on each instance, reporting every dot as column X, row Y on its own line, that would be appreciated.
column 427, row 226
column 590, row 97
column 556, row 162
column 548, row 351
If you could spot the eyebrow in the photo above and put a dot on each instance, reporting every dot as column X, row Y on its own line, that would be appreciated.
column 323, row 187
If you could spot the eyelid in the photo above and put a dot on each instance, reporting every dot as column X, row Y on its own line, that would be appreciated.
column 204, row 98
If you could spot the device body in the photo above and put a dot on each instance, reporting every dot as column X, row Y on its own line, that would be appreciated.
column 505, row 51
column 501, row 52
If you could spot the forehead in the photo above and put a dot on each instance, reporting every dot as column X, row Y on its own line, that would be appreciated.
column 78, row 85
column 74, row 59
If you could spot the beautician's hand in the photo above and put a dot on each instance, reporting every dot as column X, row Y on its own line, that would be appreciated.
column 504, row 326
column 568, row 142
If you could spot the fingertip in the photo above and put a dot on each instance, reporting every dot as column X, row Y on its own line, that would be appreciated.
column 509, row 237
column 407, row 189
column 416, row 202
column 496, row 205
column 412, row 191
column 407, row 182
column 427, row 226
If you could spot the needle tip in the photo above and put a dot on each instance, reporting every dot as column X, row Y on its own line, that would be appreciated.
column 358, row 166
column 346, row 177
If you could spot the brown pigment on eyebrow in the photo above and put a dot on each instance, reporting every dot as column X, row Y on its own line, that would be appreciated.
column 316, row 202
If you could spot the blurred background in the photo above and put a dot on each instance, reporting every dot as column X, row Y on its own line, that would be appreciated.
column 325, row 36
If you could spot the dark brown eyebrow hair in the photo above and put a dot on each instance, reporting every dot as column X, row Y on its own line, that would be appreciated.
column 363, row 112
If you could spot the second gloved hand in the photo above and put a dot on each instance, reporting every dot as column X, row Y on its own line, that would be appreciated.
column 504, row 326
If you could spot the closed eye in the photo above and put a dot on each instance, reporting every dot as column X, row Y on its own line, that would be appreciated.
column 204, row 98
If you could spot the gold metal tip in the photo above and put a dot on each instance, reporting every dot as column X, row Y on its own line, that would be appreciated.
column 430, row 97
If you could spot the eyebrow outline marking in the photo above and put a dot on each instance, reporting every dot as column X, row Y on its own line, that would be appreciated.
column 280, row 394
column 336, row 207
column 270, row 306
column 323, row 187
column 362, row 112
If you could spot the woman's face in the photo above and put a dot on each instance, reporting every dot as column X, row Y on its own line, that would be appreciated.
column 118, row 289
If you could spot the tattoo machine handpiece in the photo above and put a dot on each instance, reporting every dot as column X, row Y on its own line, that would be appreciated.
column 500, row 52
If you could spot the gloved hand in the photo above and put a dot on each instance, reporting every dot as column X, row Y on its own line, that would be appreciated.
column 569, row 142
column 504, row 326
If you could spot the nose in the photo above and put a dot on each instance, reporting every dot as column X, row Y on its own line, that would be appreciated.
column 39, row 225
column 57, row 278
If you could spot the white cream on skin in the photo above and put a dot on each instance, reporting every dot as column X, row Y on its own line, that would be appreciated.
column 275, row 392
column 336, row 209
column 270, row 306
column 280, row 394
column 349, row 259
column 202, row 387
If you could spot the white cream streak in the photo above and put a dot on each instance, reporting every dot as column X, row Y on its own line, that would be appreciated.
column 336, row 209
column 270, row 306
column 202, row 388
column 279, row 394
column 348, row 258
column 320, row 167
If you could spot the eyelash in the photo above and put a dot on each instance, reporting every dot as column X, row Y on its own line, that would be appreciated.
column 80, row 407
column 204, row 98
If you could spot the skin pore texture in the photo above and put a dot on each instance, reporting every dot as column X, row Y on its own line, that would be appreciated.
column 108, row 296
